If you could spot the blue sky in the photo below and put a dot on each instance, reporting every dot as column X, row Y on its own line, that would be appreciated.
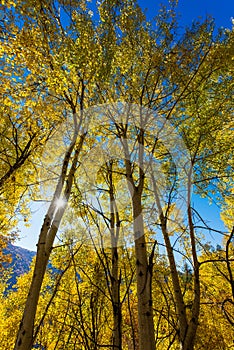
column 189, row 10
column 221, row 10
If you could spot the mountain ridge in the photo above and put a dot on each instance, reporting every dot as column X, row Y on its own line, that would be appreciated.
column 21, row 259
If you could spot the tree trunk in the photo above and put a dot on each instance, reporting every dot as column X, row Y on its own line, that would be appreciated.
column 25, row 336
column 143, row 269
column 144, row 278
column 187, row 329
column 116, row 304
column 115, row 274
column 25, row 333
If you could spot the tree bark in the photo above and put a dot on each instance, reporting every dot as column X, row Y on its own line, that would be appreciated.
column 115, row 273
column 144, row 279
column 143, row 269
column 116, row 303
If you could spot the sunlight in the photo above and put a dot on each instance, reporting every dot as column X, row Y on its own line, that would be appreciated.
column 60, row 203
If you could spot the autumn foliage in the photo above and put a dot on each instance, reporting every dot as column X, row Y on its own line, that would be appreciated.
column 115, row 121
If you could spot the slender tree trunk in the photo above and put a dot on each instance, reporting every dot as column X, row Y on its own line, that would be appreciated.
column 143, row 269
column 144, row 279
column 180, row 305
column 187, row 328
column 25, row 334
column 117, row 310
column 193, row 323
column 115, row 273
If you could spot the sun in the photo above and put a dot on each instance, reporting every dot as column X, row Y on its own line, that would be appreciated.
column 60, row 203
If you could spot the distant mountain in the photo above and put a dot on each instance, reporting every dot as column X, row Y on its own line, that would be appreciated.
column 20, row 264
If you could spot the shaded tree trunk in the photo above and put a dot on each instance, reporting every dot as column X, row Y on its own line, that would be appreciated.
column 115, row 273
column 116, row 303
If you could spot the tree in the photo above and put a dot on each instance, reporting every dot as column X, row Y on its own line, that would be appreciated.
column 216, row 300
column 187, row 77
column 24, row 129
